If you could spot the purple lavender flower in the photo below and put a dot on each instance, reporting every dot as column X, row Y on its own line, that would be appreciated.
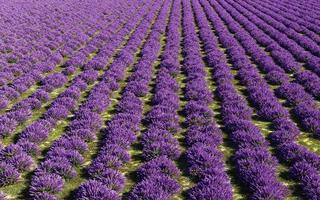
column 95, row 190
column 7, row 126
column 50, row 183
column 8, row 174
column 155, row 187
column 158, row 166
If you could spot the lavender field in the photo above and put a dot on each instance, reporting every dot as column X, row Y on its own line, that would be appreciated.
column 160, row 99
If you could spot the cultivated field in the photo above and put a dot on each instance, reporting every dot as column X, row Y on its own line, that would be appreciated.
column 160, row 99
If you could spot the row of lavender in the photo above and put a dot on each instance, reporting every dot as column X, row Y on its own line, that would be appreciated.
column 157, row 176
column 203, row 137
